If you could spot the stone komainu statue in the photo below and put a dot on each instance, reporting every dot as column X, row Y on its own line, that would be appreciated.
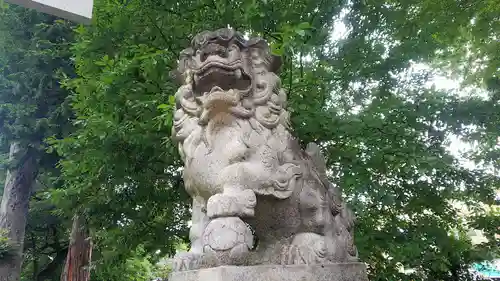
column 258, row 198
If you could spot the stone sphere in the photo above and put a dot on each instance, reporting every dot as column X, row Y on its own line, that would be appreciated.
column 223, row 234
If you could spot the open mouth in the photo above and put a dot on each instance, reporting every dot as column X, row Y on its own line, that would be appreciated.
column 224, row 76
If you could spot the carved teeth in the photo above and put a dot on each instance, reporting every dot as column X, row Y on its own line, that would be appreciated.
column 216, row 89
column 238, row 73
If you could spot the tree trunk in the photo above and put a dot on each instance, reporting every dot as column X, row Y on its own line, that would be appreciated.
column 77, row 267
column 14, row 208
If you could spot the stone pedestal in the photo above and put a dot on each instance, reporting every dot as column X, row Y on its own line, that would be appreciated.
column 326, row 272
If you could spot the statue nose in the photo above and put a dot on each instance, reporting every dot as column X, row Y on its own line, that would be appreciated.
column 213, row 50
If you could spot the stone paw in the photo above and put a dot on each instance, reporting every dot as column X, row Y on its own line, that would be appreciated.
column 306, row 248
column 209, row 258
column 239, row 203
column 186, row 261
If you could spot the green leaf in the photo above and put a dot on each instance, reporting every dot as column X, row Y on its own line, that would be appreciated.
column 171, row 100
column 304, row 25
column 277, row 49
column 164, row 106
column 300, row 32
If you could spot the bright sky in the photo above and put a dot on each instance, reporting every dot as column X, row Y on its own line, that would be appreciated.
column 440, row 82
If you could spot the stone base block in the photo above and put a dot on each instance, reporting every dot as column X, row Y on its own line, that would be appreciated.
column 326, row 272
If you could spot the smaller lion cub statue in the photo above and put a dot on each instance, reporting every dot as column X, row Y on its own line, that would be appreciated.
column 258, row 198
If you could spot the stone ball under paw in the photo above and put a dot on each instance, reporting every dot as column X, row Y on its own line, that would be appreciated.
column 229, row 238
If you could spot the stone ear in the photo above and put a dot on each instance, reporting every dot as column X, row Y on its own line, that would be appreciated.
column 275, row 62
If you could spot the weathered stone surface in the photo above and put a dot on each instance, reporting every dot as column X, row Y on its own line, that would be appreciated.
column 327, row 272
column 258, row 197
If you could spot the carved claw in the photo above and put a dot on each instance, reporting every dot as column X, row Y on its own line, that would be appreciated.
column 233, row 204
column 209, row 258
column 306, row 248
column 186, row 261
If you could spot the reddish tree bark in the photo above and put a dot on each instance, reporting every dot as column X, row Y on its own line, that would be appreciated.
column 77, row 267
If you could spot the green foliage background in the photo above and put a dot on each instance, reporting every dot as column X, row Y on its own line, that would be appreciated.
column 384, row 132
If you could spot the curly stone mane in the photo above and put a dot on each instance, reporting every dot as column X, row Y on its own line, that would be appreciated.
column 264, row 101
